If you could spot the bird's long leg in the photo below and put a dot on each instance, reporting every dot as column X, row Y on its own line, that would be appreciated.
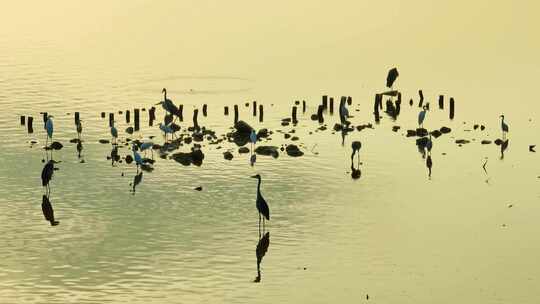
column 263, row 223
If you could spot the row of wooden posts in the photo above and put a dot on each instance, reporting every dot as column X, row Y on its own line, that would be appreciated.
column 327, row 105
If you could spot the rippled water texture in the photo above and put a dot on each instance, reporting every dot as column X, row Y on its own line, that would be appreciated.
column 464, row 236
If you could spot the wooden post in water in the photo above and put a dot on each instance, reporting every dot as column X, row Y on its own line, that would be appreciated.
column 136, row 119
column 421, row 98
column 441, row 102
column 151, row 116
column 398, row 104
column 235, row 114
column 349, row 100
column 320, row 113
column 303, row 106
column 77, row 118
column 451, row 107
column 325, row 102
column 181, row 112
column 331, row 105
column 294, row 119
column 378, row 100
column 23, row 120
column 111, row 119
column 226, row 110
column 102, row 114
column 204, row 110
column 29, row 124
column 261, row 113
column 128, row 116
column 195, row 123
column 254, row 108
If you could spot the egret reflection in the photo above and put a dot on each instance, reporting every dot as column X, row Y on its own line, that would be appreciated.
column 260, row 252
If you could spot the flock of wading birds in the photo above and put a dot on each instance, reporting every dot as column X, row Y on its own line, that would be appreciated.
column 243, row 135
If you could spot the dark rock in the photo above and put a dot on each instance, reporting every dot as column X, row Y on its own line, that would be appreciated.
column 188, row 140
column 482, row 127
column 295, row 138
column 129, row 130
column 243, row 150
column 294, row 151
column 485, row 142
column 411, row 133
column 198, row 137
column 267, row 151
column 129, row 159
column 421, row 132
column 314, row 117
column 422, row 142
column 287, row 136
column 198, row 188
column 285, row 123
column 175, row 127
column 395, row 128
column 263, row 133
column 475, row 126
column 445, row 130
column 462, row 141
column 338, row 127
column 74, row 140
column 498, row 141
column 195, row 157
column 104, row 141
column 242, row 127
column 435, row 133
column 227, row 155
column 56, row 146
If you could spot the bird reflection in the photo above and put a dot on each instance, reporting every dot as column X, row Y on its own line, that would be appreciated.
column 48, row 211
column 79, row 151
column 46, row 176
column 355, row 170
column 136, row 181
column 429, row 164
column 115, row 157
column 504, row 146
column 252, row 159
column 260, row 251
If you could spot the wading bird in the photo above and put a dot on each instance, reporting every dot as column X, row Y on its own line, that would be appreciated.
column 136, row 156
column 147, row 145
column 166, row 130
column 49, row 126
column 261, row 204
column 422, row 116
column 47, row 174
column 167, row 104
column 504, row 127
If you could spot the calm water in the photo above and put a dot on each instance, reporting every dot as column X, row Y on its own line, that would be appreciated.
column 393, row 234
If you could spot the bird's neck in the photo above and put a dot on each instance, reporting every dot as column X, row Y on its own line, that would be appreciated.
column 259, row 186
column 165, row 95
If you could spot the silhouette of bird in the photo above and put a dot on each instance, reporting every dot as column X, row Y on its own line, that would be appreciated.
column 136, row 181
column 48, row 211
column 422, row 116
column 79, row 128
column 343, row 112
column 47, row 174
column 49, row 126
column 504, row 126
column 261, row 204
column 504, row 146
column 168, row 104
column 356, row 145
column 392, row 76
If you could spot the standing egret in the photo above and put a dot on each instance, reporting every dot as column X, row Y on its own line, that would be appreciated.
column 49, row 126
column 504, row 127
column 147, row 145
column 253, row 138
column 261, row 204
column 114, row 133
column 167, row 104
column 343, row 112
column 136, row 156
column 47, row 174
column 422, row 116
column 166, row 129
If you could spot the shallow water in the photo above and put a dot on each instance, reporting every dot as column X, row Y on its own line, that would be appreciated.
column 394, row 234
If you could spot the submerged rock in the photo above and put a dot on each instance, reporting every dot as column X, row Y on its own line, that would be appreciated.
column 435, row 133
column 267, row 151
column 104, row 141
column 395, row 128
column 294, row 151
column 445, row 130
column 263, row 133
column 421, row 132
column 485, row 142
column 462, row 141
column 411, row 133
column 243, row 150
column 129, row 130
column 195, row 157
column 56, row 145
column 227, row 155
